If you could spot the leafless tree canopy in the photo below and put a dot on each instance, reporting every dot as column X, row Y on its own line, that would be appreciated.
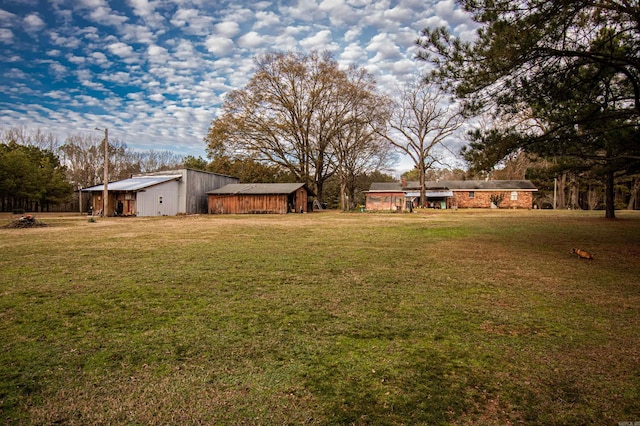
column 296, row 112
column 421, row 122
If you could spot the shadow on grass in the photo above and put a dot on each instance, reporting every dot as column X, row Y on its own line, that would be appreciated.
column 359, row 385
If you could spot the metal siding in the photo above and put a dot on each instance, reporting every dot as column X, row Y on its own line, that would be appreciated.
column 198, row 184
column 192, row 191
column 148, row 201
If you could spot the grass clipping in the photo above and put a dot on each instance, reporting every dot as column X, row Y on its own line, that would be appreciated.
column 27, row 221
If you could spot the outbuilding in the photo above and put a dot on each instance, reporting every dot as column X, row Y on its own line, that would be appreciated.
column 247, row 198
column 404, row 196
column 167, row 193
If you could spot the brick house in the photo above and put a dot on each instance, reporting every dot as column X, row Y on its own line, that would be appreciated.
column 403, row 196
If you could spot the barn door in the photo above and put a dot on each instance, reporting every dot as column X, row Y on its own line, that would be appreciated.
column 291, row 203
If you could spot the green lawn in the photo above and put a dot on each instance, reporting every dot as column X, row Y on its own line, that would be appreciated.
column 447, row 317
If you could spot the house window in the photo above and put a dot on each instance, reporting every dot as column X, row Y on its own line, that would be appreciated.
column 514, row 196
column 472, row 194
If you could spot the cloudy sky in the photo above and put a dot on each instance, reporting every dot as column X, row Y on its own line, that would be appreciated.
column 155, row 71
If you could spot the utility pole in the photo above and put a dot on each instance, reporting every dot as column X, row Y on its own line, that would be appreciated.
column 105, row 192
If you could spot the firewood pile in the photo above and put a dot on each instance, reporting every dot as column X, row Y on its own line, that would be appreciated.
column 26, row 221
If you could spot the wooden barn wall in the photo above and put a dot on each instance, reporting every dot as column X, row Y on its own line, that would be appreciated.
column 247, row 204
column 301, row 200
column 96, row 203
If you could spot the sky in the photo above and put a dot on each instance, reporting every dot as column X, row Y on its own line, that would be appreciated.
column 155, row 72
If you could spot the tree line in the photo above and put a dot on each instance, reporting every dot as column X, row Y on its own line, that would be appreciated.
column 38, row 171
column 551, row 89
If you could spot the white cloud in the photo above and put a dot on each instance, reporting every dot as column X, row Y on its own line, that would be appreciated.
column 403, row 67
column 304, row 10
column 138, row 34
column 353, row 54
column 142, row 8
column 251, row 40
column 266, row 20
column 76, row 59
column 147, row 11
column 219, row 46
column 185, row 50
column 91, row 4
column 191, row 22
column 156, row 97
column 227, row 29
column 86, row 78
column 399, row 14
column 450, row 12
column 7, row 18
column 157, row 53
column 58, row 94
column 33, row 23
column 352, row 34
column 121, row 49
column 66, row 42
column 117, row 77
column 319, row 41
column 6, row 36
column 339, row 12
column 104, row 15
column 58, row 70
column 384, row 47
column 98, row 58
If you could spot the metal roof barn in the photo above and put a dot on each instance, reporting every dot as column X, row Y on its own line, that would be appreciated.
column 159, row 194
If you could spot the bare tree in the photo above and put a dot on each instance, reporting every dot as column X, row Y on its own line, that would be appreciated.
column 83, row 155
column 358, row 146
column 289, row 114
column 25, row 136
column 422, row 120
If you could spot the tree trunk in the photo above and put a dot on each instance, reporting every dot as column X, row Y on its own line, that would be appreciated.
column 344, row 199
column 560, row 193
column 635, row 189
column 574, row 192
column 610, row 207
column 319, row 189
column 423, row 191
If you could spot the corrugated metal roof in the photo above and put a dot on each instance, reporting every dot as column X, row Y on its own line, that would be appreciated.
column 257, row 188
column 133, row 184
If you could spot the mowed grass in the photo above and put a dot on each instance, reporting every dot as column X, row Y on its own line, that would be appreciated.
column 448, row 317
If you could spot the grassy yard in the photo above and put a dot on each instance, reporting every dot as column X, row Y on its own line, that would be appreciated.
column 467, row 317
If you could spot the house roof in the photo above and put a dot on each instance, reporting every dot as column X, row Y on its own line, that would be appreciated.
column 257, row 188
column 134, row 183
column 456, row 185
